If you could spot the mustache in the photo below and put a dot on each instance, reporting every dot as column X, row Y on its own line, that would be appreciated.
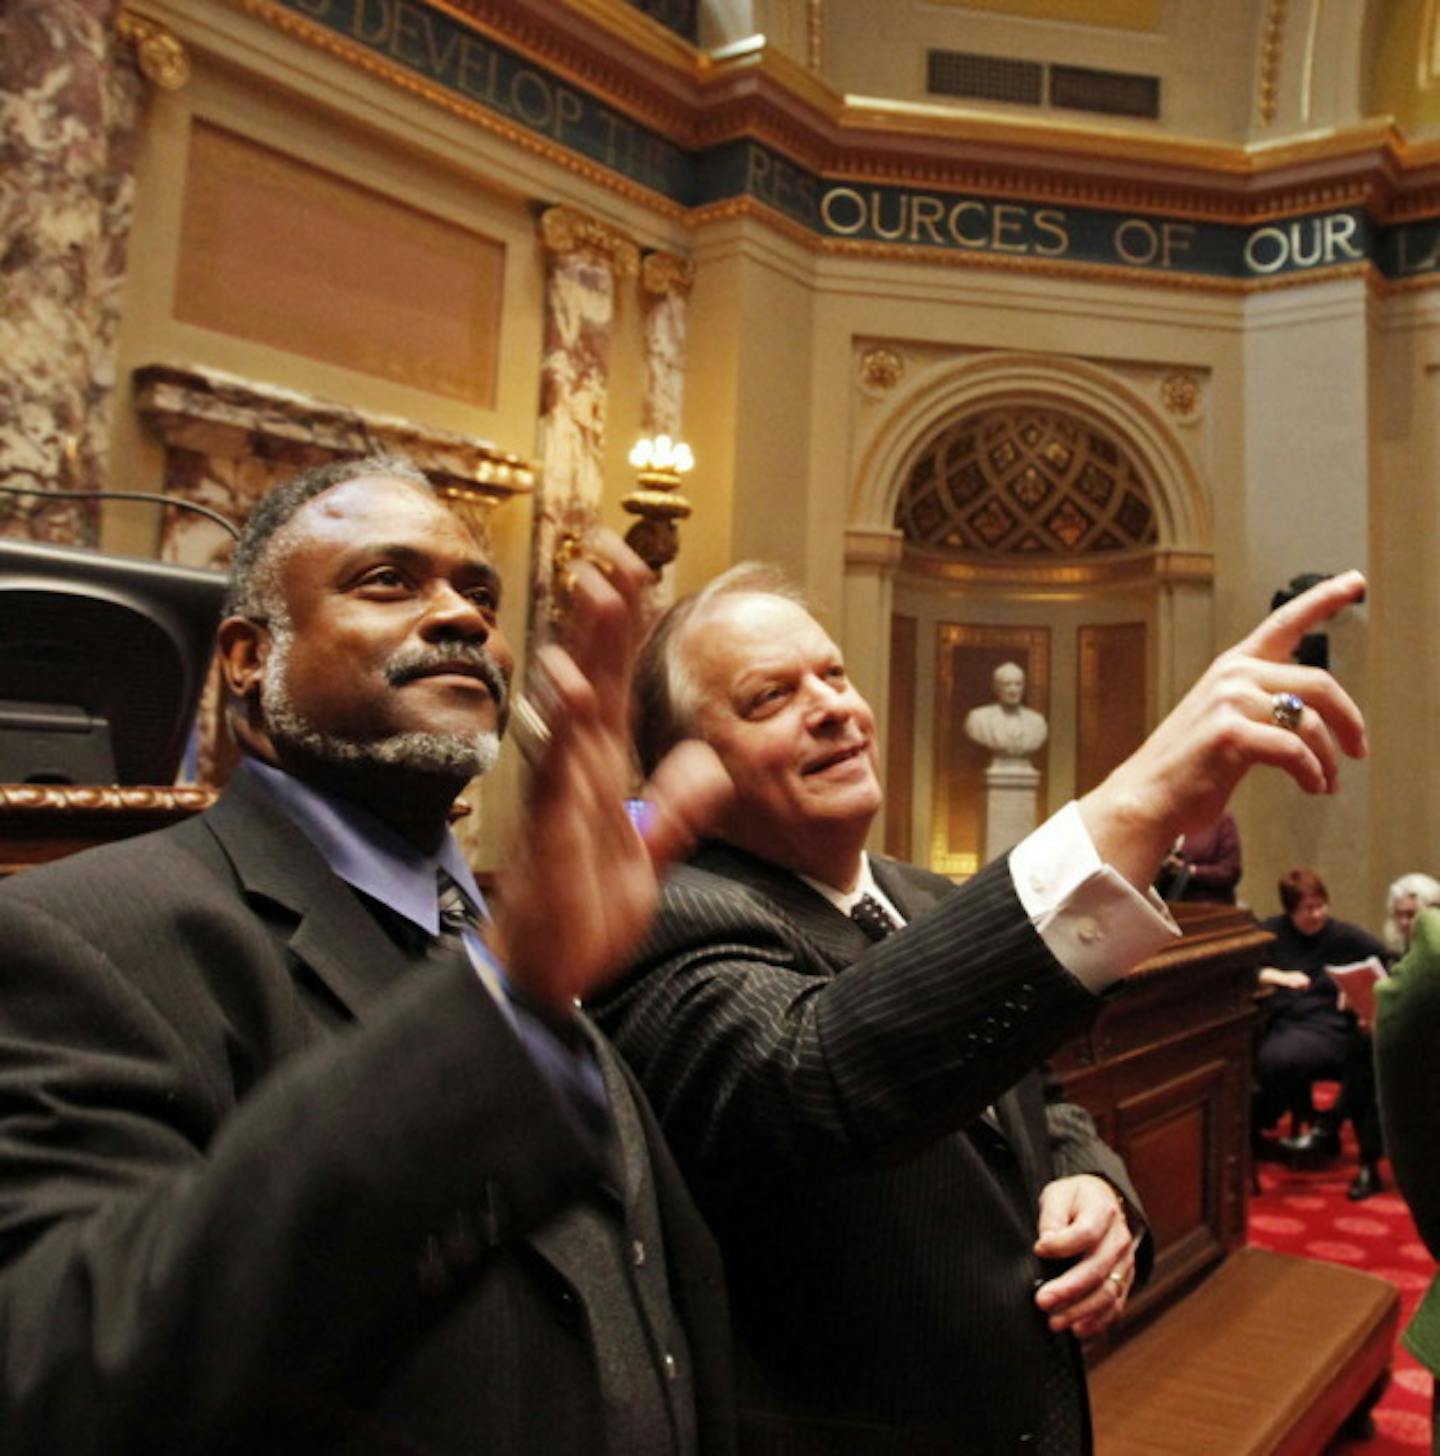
column 410, row 663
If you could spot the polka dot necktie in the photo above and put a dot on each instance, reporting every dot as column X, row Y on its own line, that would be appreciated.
column 872, row 917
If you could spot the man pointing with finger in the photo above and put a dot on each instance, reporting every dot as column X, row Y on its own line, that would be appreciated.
column 844, row 1051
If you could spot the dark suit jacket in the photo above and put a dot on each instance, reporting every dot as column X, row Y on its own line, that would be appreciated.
column 824, row 1097
column 261, row 1190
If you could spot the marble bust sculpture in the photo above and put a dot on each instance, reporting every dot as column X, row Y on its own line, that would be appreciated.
column 1007, row 727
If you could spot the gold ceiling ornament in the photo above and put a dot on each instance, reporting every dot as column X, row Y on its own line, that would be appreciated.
column 1272, row 52
column 566, row 230
column 163, row 60
column 662, row 273
column 1180, row 394
column 660, row 463
column 881, row 369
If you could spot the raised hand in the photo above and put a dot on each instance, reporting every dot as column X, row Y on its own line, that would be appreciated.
column 1180, row 778
column 579, row 889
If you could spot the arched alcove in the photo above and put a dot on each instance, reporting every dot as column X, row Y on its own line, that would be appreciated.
column 1017, row 483
column 1015, row 506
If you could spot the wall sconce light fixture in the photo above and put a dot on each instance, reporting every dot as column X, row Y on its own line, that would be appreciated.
column 660, row 463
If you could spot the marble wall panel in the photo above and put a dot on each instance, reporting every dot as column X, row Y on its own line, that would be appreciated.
column 584, row 259
column 665, row 323
column 69, row 113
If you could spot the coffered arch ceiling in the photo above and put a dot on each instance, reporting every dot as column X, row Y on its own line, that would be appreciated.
column 1028, row 481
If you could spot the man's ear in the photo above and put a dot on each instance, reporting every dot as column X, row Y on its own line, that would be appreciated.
column 243, row 645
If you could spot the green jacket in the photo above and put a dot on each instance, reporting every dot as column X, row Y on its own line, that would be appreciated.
column 1407, row 1048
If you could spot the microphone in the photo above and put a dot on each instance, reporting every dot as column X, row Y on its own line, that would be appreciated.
column 133, row 495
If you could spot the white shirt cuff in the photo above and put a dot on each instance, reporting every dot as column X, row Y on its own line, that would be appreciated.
column 1092, row 919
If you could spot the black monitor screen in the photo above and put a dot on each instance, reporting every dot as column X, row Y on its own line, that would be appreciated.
column 102, row 659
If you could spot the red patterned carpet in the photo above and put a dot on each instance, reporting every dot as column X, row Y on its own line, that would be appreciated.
column 1308, row 1214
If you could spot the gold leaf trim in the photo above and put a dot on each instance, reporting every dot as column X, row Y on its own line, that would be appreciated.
column 663, row 273
column 881, row 369
column 567, row 230
column 364, row 59
column 1154, row 567
column 162, row 58
column 1272, row 53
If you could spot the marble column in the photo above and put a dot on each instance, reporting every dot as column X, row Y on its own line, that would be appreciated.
column 665, row 283
column 70, row 104
column 585, row 258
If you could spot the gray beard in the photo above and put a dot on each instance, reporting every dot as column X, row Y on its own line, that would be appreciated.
column 459, row 755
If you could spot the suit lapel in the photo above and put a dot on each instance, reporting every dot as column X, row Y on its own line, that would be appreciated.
column 912, row 897
column 333, row 933
column 833, row 935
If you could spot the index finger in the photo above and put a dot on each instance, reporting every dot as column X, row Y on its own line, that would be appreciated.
column 1280, row 633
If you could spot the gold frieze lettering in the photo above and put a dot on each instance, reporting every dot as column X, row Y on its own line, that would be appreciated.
column 1307, row 242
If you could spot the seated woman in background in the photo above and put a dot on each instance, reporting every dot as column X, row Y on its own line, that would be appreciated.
column 1308, row 1037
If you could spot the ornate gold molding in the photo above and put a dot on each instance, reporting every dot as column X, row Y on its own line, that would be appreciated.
column 162, row 58
column 367, row 62
column 663, row 273
column 753, row 91
column 565, row 230
column 104, row 799
column 1180, row 394
column 1152, row 568
column 815, row 34
column 881, row 369
column 1272, row 53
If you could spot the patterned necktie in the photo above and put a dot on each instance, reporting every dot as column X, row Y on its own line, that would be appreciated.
column 872, row 917
column 456, row 912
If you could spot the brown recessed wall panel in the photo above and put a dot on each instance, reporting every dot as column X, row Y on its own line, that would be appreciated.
column 966, row 659
column 900, row 747
column 288, row 255
column 1110, row 723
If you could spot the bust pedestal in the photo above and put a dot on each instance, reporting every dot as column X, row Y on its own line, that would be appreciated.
column 1010, row 788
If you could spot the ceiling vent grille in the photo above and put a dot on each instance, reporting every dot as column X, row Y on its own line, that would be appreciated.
column 984, row 78
column 1115, row 93
column 1077, row 88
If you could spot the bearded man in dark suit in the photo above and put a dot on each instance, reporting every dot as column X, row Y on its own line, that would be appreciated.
column 298, row 1153
column 843, row 1051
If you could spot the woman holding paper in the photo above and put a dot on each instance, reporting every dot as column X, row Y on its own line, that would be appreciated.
column 1309, row 1037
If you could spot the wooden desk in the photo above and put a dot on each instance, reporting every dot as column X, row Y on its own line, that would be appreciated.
column 1165, row 1070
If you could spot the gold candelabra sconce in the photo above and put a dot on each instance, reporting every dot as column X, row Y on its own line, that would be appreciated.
column 660, row 464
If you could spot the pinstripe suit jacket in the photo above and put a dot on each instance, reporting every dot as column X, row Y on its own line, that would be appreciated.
column 824, row 1097
column 263, row 1191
